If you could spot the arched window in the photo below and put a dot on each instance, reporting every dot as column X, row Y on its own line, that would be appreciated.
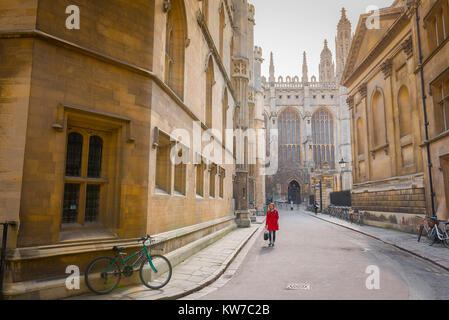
column 222, row 27
column 405, row 112
column 289, row 133
column 323, row 139
column 378, row 112
column 360, row 137
column 209, row 87
column 175, row 47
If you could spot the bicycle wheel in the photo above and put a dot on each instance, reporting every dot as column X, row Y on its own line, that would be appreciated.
column 152, row 279
column 431, row 236
column 446, row 237
column 102, row 275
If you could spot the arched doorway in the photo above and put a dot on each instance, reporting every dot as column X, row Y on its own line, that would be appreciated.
column 294, row 192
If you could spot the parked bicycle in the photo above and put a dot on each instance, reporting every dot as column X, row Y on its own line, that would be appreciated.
column 433, row 231
column 103, row 274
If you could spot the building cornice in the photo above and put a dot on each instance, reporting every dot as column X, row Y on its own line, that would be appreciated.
column 35, row 33
column 352, row 72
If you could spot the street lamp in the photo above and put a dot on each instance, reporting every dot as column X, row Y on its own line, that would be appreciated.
column 318, row 186
column 342, row 163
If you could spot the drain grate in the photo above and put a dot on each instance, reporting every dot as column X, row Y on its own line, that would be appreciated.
column 298, row 286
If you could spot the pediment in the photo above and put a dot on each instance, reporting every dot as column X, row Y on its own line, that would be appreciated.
column 365, row 40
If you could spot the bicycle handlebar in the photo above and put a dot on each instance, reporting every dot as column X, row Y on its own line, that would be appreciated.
column 143, row 239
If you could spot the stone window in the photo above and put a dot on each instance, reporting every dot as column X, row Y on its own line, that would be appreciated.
column 163, row 165
column 314, row 96
column 297, row 97
column 440, row 92
column 323, row 97
column 289, row 136
column 199, row 181
column 84, row 177
column 209, row 91
column 436, row 23
column 222, row 175
column 288, row 97
column 175, row 43
column 212, row 175
column 323, row 139
column 180, row 172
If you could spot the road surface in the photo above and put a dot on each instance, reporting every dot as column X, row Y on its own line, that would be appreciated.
column 314, row 259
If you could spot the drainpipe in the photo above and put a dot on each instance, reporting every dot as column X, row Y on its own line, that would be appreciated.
column 426, row 121
column 3, row 254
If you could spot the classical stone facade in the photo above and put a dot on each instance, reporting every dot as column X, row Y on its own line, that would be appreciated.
column 312, row 120
column 398, row 129
column 93, row 118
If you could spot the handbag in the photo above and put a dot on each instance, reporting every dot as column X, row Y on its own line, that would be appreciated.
column 265, row 235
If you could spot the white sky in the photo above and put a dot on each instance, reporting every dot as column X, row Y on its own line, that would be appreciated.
column 289, row 27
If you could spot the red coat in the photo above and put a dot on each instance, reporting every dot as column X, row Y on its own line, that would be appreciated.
column 272, row 220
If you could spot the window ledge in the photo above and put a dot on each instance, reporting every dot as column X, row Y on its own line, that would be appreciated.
column 179, row 194
column 85, row 234
column 160, row 192
column 435, row 139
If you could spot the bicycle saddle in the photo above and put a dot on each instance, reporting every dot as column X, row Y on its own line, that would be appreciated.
column 116, row 248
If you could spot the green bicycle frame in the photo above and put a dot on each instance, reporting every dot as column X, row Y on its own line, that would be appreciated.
column 142, row 252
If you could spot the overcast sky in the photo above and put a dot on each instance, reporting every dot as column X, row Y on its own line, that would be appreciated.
column 290, row 27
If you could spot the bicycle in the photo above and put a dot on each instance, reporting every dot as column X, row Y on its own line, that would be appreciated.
column 433, row 231
column 103, row 274
column 359, row 219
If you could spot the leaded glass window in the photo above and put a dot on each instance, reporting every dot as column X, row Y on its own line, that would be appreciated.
column 323, row 139
column 290, row 141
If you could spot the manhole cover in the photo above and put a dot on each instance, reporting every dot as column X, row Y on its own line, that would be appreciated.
column 298, row 286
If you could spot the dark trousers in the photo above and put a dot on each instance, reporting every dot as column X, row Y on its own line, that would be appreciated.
column 272, row 235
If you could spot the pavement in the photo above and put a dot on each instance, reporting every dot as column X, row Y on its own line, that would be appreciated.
column 314, row 259
column 193, row 274
column 436, row 253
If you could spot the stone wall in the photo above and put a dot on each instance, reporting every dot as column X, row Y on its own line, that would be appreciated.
column 396, row 201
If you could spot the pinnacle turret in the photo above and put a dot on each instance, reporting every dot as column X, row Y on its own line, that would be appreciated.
column 272, row 78
column 305, row 69
column 343, row 42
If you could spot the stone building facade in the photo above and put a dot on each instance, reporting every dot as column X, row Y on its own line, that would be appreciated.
column 95, row 120
column 398, row 129
column 312, row 120
column 434, row 40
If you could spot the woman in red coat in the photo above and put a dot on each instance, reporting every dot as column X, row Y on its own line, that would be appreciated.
column 272, row 224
